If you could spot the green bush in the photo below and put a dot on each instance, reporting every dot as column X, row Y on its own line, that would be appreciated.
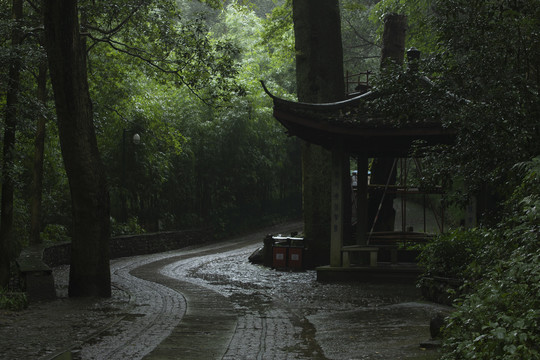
column 14, row 301
column 500, row 317
column 131, row 227
column 55, row 233
column 452, row 254
column 453, row 262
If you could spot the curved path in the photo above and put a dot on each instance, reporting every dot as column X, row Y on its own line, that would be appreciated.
column 209, row 302
column 169, row 314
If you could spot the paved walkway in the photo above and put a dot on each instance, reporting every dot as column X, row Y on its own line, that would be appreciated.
column 209, row 303
column 207, row 325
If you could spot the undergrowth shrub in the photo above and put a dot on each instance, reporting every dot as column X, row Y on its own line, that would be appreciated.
column 55, row 233
column 131, row 227
column 500, row 317
column 450, row 254
column 14, row 301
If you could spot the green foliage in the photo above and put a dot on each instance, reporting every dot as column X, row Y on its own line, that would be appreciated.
column 13, row 301
column 277, row 37
column 154, row 34
column 131, row 227
column 220, row 166
column 30, row 54
column 525, row 199
column 497, row 316
column 491, row 58
column 267, row 48
column 500, row 317
column 419, row 14
column 500, row 320
column 408, row 98
column 360, row 45
column 483, row 60
column 450, row 254
column 184, row 77
column 55, row 233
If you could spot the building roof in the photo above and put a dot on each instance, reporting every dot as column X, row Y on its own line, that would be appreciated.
column 361, row 131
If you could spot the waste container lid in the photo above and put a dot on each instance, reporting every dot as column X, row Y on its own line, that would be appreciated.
column 287, row 238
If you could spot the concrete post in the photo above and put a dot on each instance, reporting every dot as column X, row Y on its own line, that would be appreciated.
column 362, row 200
column 337, row 206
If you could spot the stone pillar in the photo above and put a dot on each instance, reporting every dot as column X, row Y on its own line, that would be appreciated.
column 362, row 200
column 337, row 206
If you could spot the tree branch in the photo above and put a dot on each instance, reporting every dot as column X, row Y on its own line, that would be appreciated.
column 152, row 63
column 360, row 35
column 119, row 26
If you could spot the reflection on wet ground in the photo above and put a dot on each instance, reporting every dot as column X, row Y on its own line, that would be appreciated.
column 249, row 312
column 330, row 321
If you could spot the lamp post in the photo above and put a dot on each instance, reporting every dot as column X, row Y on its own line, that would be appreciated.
column 136, row 140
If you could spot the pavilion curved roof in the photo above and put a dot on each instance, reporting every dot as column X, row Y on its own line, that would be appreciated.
column 359, row 130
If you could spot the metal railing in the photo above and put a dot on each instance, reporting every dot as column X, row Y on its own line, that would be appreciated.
column 357, row 83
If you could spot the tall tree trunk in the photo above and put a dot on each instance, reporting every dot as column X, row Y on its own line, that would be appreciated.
column 39, row 149
column 319, row 78
column 12, row 102
column 382, row 169
column 319, row 51
column 395, row 31
column 66, row 51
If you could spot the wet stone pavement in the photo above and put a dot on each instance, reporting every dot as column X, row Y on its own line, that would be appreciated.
column 209, row 302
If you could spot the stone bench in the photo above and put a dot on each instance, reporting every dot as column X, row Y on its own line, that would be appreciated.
column 373, row 253
column 36, row 276
column 372, row 250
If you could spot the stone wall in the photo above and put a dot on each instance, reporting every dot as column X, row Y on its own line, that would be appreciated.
column 131, row 245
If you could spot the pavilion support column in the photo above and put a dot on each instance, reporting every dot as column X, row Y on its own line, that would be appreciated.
column 347, row 207
column 339, row 161
column 362, row 199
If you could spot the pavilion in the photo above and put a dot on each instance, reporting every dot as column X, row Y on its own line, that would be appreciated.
column 348, row 128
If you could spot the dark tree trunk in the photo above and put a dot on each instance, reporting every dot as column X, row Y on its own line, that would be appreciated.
column 382, row 169
column 66, row 51
column 12, row 102
column 39, row 149
column 319, row 52
column 395, row 30
column 319, row 78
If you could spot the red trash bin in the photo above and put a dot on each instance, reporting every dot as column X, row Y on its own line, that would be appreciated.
column 295, row 257
column 287, row 252
column 279, row 257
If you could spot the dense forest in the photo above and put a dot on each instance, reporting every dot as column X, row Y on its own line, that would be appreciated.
column 181, row 132
column 210, row 152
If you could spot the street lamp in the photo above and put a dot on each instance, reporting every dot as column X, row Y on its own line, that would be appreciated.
column 136, row 139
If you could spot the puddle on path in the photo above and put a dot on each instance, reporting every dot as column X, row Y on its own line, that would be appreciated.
column 337, row 321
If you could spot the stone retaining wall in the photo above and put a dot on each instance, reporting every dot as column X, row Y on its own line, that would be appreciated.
column 131, row 245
